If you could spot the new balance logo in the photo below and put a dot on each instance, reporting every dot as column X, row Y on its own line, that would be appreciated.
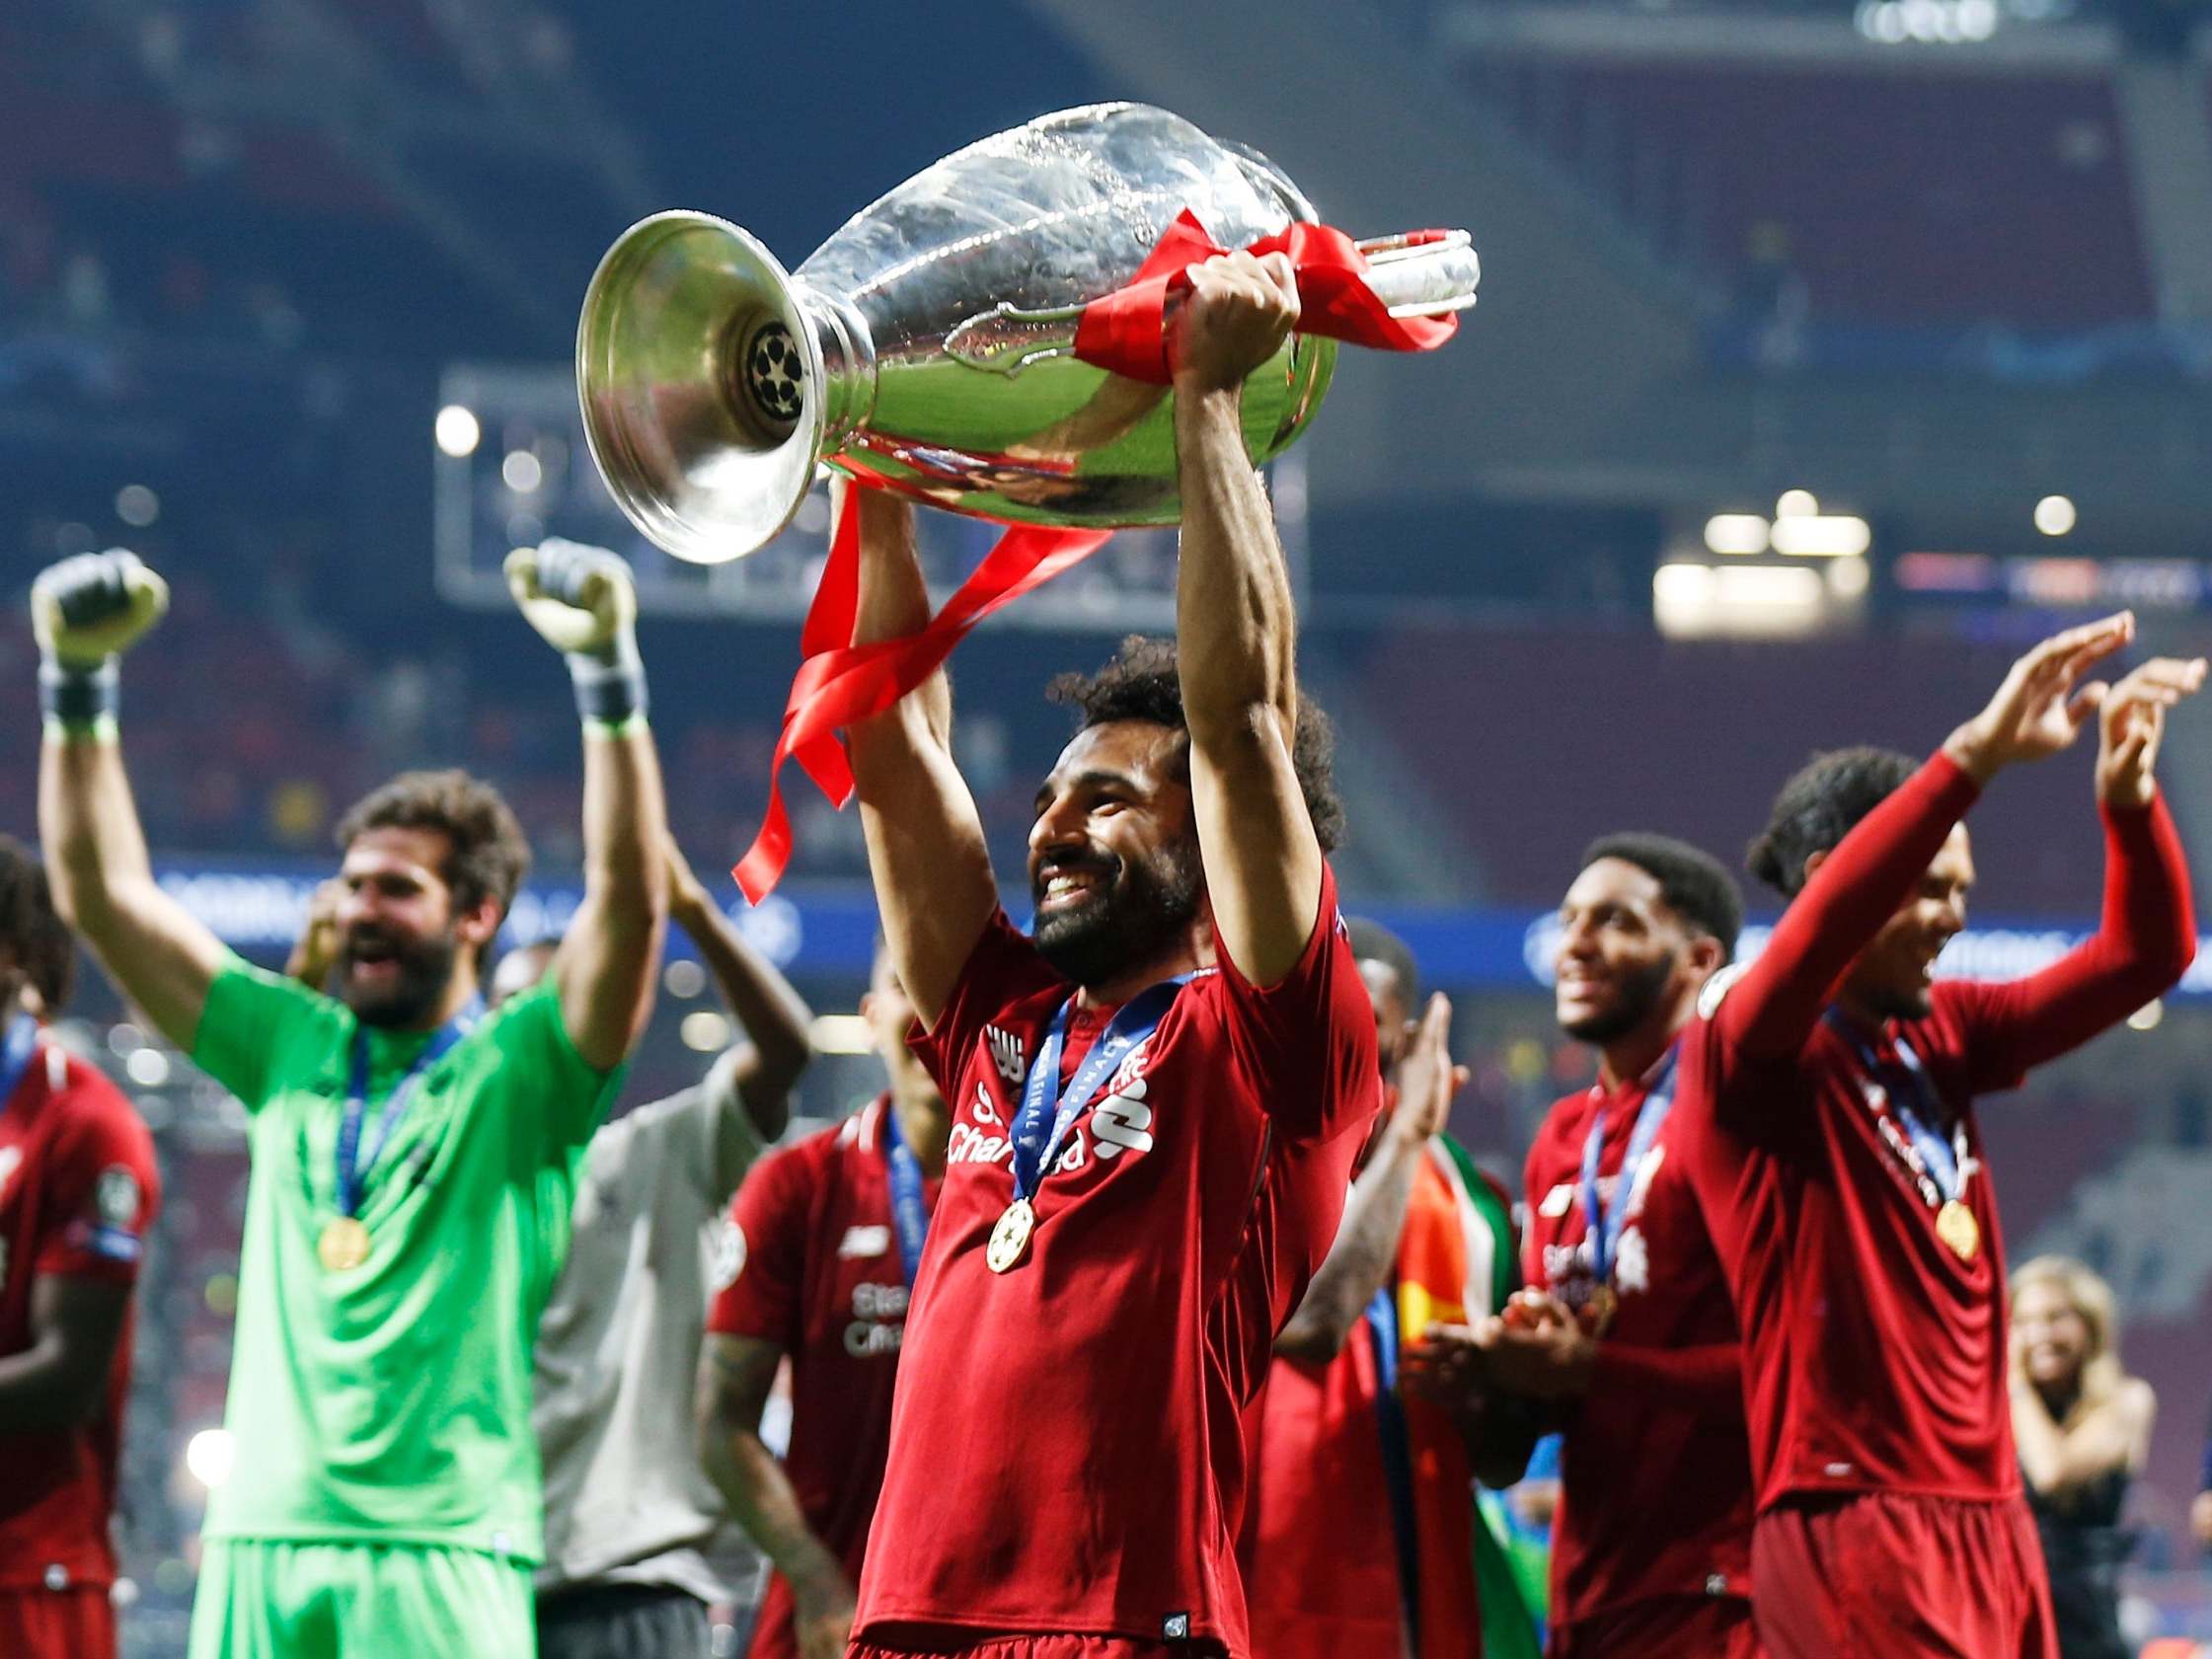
column 1123, row 1122
column 1007, row 1053
column 862, row 1242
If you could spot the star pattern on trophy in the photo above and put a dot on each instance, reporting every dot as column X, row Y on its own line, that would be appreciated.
column 775, row 373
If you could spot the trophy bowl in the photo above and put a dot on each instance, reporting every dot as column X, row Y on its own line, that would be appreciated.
column 929, row 344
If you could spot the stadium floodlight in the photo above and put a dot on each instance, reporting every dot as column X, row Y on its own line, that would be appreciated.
column 457, row 431
column 209, row 1457
column 1823, row 536
column 704, row 1030
column 840, row 1033
column 1797, row 503
column 1736, row 533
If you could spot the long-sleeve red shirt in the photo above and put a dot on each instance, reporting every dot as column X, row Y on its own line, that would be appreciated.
column 1875, row 1353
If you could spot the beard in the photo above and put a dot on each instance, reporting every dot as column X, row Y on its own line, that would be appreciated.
column 1138, row 912
column 426, row 971
column 1640, row 995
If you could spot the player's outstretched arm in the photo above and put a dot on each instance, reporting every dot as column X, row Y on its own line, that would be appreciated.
column 1360, row 1262
column 1850, row 893
column 773, row 1015
column 924, row 838
column 2146, row 937
column 580, row 599
column 736, row 1373
column 1236, row 633
column 87, row 611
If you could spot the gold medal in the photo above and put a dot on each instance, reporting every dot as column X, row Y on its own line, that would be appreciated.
column 1604, row 1303
column 1010, row 1239
column 344, row 1246
column 1957, row 1226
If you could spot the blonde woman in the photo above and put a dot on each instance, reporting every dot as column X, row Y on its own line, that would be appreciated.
column 2082, row 1428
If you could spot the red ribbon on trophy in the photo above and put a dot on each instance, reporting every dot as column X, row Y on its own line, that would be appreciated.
column 840, row 683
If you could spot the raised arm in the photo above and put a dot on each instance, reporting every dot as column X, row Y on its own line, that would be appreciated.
column 1360, row 1262
column 581, row 600
column 1235, row 628
column 736, row 1373
column 775, row 1020
column 87, row 611
column 1850, row 892
column 2146, row 937
column 924, row 838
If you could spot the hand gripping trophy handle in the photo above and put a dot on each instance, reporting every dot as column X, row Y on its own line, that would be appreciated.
column 929, row 345
column 1421, row 274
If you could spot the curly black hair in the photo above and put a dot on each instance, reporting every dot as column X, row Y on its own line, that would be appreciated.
column 1141, row 682
column 490, row 853
column 1817, row 807
column 33, row 938
column 1695, row 884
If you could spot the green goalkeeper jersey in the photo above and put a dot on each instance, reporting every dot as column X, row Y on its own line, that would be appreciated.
column 390, row 1401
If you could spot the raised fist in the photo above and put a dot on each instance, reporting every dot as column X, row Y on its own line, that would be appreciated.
column 1234, row 319
column 92, row 605
column 581, row 598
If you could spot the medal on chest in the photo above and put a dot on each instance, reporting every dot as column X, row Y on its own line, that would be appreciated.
column 343, row 1242
column 1010, row 1238
column 1939, row 1169
column 1605, row 1240
column 342, row 1246
column 1040, row 1127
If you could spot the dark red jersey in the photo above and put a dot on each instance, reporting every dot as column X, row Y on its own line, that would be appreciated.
column 78, row 1190
column 1066, row 1445
column 818, row 1272
column 1874, row 1327
column 1661, row 1431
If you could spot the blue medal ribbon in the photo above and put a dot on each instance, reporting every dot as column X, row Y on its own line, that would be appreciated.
column 1136, row 1020
column 353, row 1164
column 909, row 1214
column 16, row 1052
column 1605, row 1226
column 1941, row 1160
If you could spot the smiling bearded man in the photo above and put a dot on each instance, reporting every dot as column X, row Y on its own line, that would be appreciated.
column 412, row 1165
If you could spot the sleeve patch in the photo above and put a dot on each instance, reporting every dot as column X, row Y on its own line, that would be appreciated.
column 110, row 1244
column 117, row 1197
column 1717, row 987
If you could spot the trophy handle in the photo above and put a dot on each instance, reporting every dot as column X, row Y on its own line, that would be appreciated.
column 1417, row 273
column 1422, row 272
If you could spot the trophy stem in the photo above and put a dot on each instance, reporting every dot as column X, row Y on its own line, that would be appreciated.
column 848, row 358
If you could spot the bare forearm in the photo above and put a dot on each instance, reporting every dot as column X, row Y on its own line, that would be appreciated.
column 103, row 885
column 88, row 825
column 1359, row 1262
column 924, row 838
column 1234, row 620
column 41, row 1390
column 612, row 954
column 774, row 1016
column 762, row 1501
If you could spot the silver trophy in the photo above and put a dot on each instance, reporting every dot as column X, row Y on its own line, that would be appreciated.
column 929, row 344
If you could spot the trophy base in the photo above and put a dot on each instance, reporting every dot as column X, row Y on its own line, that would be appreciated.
column 702, row 384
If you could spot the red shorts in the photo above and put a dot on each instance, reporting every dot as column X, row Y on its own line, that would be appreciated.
column 1663, row 1627
column 1881, row 1575
column 78, row 1623
column 1031, row 1647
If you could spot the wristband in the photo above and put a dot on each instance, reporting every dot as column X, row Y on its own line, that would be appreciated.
column 610, row 688
column 79, row 695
